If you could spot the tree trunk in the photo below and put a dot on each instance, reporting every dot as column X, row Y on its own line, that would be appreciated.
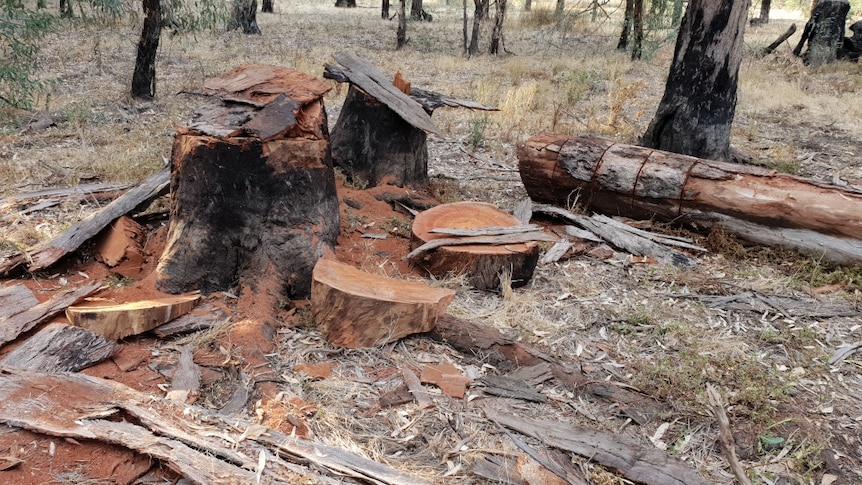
column 464, row 31
column 345, row 3
column 374, row 145
column 401, row 33
column 528, row 5
column 384, row 10
column 497, row 32
column 759, row 205
column 824, row 32
column 417, row 12
column 623, row 44
column 765, row 5
column 561, row 6
column 482, row 264
column 695, row 114
column 144, row 76
column 638, row 27
column 66, row 9
column 477, row 21
column 245, row 16
column 259, row 207
column 266, row 6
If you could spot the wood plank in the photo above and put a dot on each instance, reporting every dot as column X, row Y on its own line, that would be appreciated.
column 49, row 252
column 375, row 83
column 13, row 326
column 15, row 299
column 133, row 318
column 637, row 462
column 60, row 348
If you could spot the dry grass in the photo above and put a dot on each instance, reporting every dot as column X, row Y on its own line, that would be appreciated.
column 635, row 324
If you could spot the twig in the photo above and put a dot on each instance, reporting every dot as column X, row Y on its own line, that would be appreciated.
column 725, row 435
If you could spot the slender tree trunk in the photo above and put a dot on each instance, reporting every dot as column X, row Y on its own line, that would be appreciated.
column 561, row 6
column 695, row 114
column 266, row 6
column 764, row 11
column 486, row 9
column 497, row 33
column 638, row 27
column 623, row 44
column 466, row 44
column 384, row 10
column 401, row 34
column 144, row 76
column 477, row 20
column 66, row 9
column 528, row 5
column 245, row 16
column 416, row 9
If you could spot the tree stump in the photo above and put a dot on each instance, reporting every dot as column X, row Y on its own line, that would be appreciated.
column 824, row 32
column 253, row 189
column 481, row 263
column 357, row 309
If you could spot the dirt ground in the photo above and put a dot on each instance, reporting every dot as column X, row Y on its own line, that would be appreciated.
column 763, row 325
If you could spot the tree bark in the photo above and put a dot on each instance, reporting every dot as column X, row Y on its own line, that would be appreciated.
column 266, row 6
column 252, row 188
column 384, row 9
column 481, row 263
column 528, row 5
column 824, row 32
column 561, row 6
column 695, row 114
column 245, row 16
column 401, row 33
column 477, row 21
column 757, row 204
column 497, row 32
column 66, row 9
column 638, row 28
column 345, row 3
column 623, row 43
column 417, row 12
column 144, row 76
column 765, row 5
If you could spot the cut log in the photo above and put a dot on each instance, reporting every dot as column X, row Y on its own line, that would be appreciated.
column 60, row 348
column 759, row 205
column 481, row 263
column 49, row 252
column 13, row 326
column 357, row 309
column 118, row 321
column 253, row 188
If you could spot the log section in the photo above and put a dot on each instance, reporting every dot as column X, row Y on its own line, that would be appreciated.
column 759, row 205
column 357, row 309
column 118, row 321
column 482, row 263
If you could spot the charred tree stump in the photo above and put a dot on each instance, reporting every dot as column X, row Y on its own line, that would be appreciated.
column 759, row 205
column 481, row 263
column 824, row 32
column 253, row 187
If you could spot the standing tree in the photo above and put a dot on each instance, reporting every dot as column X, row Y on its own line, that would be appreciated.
column 384, row 10
column 401, row 34
column 144, row 76
column 623, row 43
column 696, row 112
column 266, row 6
column 417, row 12
column 638, row 27
column 765, row 6
column 497, row 31
column 824, row 32
column 245, row 16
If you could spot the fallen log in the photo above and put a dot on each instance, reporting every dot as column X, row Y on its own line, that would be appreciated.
column 49, row 252
column 781, row 38
column 225, row 450
column 133, row 318
column 60, row 348
column 13, row 326
column 357, row 309
column 759, row 205
column 481, row 258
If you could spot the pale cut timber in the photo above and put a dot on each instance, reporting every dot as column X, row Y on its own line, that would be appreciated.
column 481, row 263
column 118, row 321
column 759, row 205
column 357, row 309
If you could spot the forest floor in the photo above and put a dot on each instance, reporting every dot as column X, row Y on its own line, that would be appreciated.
column 760, row 324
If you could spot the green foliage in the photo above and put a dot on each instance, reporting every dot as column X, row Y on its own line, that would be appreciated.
column 478, row 126
column 21, row 29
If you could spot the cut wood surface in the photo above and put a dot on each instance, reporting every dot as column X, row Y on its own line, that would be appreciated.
column 13, row 326
column 60, row 348
column 49, row 252
column 481, row 263
column 118, row 321
column 223, row 450
column 357, row 309
column 760, row 205
column 638, row 462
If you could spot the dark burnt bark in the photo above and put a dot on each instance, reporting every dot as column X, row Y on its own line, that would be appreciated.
column 245, row 16
column 66, row 9
column 695, row 114
column 372, row 144
column 384, row 10
column 345, row 3
column 417, row 12
column 638, row 28
column 623, row 43
column 401, row 33
column 824, row 32
column 266, row 6
column 144, row 76
column 477, row 22
column 765, row 6
column 497, row 32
